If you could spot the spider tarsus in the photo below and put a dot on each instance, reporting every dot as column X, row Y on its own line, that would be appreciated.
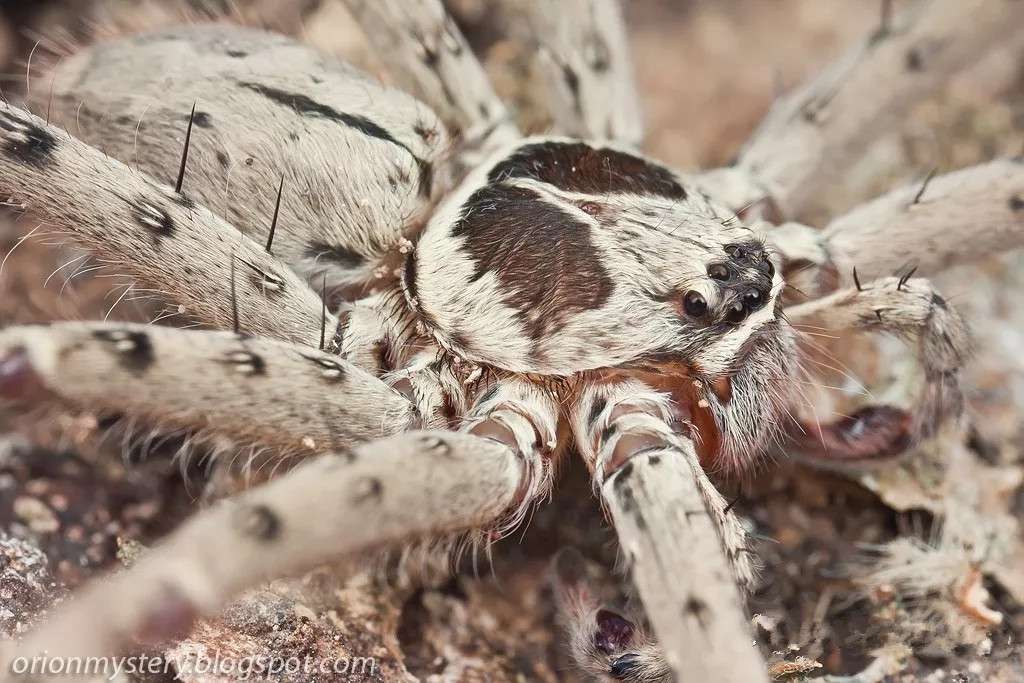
column 277, row 211
column 856, row 280
column 184, row 152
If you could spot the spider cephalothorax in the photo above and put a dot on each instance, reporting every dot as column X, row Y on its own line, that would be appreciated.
column 504, row 301
column 557, row 257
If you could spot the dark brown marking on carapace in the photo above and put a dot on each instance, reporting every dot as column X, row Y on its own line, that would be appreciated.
column 543, row 257
column 578, row 167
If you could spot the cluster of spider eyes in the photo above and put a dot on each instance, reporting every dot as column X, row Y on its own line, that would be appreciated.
column 696, row 306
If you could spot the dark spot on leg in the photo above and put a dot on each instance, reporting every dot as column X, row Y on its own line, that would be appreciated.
column 330, row 369
column 338, row 254
column 367, row 489
column 259, row 522
column 1016, row 203
column 623, row 474
column 245, row 363
column 203, row 120
column 697, row 608
column 237, row 54
column 435, row 445
column 134, row 349
column 153, row 218
column 426, row 134
column 25, row 141
column 938, row 301
column 914, row 61
column 572, row 81
column 263, row 281
column 223, row 159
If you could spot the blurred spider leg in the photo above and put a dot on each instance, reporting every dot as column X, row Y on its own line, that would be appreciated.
column 685, row 549
column 429, row 57
column 416, row 485
column 292, row 399
column 814, row 134
column 584, row 51
column 906, row 307
column 603, row 643
column 162, row 238
column 950, row 219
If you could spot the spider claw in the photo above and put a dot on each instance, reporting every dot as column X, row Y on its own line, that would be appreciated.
column 856, row 280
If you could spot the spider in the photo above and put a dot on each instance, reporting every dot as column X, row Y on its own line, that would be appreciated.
column 434, row 310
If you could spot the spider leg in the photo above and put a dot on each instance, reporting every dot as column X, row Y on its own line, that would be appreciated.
column 285, row 397
column 906, row 307
column 685, row 548
column 379, row 494
column 944, row 221
column 150, row 232
column 428, row 56
column 812, row 135
column 584, row 53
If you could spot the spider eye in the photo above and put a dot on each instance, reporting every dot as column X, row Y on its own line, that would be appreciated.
column 753, row 300
column 695, row 304
column 736, row 312
column 719, row 272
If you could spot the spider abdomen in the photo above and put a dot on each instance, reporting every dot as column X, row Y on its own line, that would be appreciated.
column 357, row 160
